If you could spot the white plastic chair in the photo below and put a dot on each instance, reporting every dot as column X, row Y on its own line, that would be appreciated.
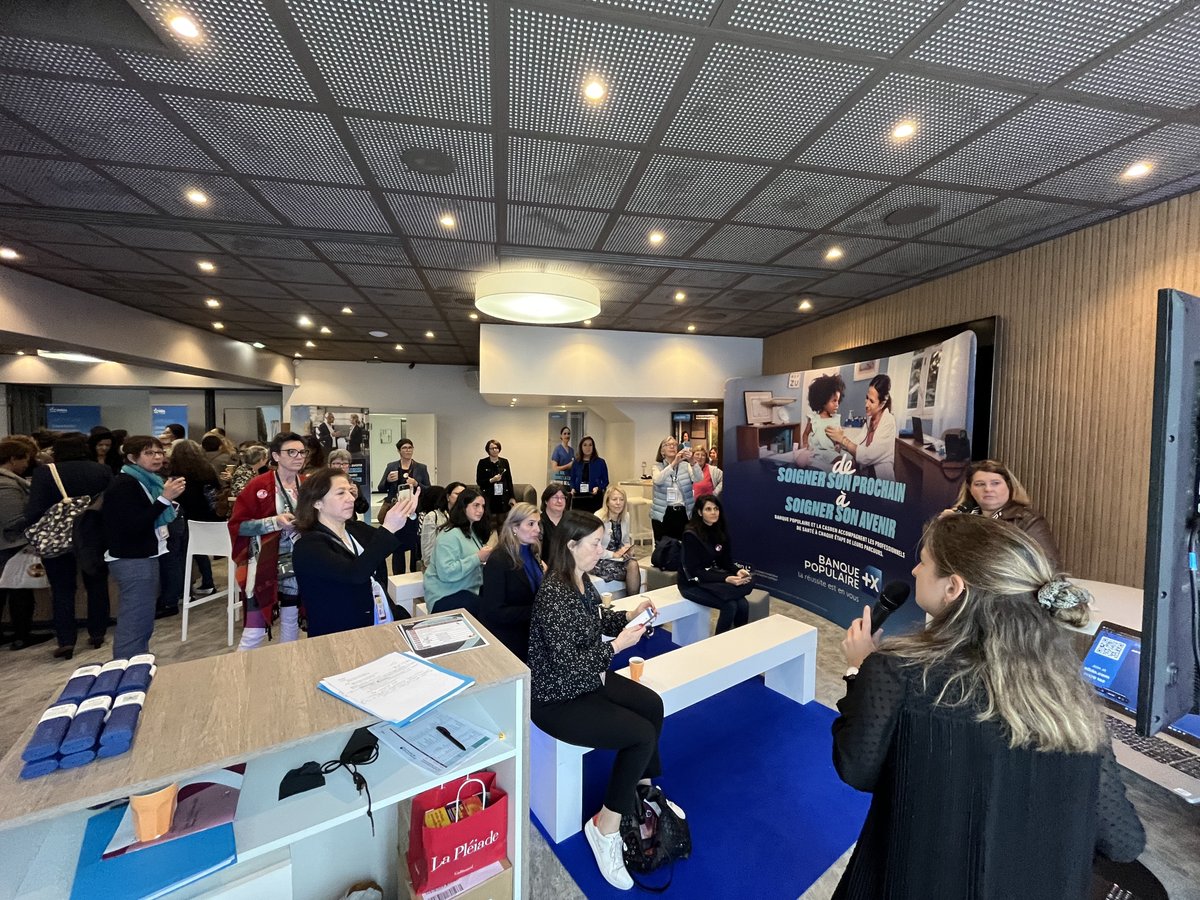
column 209, row 539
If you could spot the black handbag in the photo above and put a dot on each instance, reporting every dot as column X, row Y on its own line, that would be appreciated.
column 655, row 838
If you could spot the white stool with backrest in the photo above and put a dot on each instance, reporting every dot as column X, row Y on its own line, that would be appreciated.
column 209, row 539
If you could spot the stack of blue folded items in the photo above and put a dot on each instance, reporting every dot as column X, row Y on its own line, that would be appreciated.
column 95, row 717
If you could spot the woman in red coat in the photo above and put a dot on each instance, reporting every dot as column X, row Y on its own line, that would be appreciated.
column 262, row 527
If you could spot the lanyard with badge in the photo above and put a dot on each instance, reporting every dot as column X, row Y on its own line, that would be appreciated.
column 674, row 497
column 284, row 565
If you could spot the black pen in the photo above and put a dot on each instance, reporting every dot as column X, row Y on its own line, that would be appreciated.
column 445, row 732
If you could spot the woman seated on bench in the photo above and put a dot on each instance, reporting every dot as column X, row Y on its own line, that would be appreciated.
column 452, row 578
column 576, row 699
column 707, row 572
column 618, row 562
column 511, row 578
column 991, row 769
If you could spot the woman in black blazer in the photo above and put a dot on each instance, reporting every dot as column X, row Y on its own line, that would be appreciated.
column 340, row 562
column 707, row 573
column 494, row 477
column 511, row 578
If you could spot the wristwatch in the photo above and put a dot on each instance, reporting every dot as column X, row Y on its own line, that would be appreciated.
column 851, row 674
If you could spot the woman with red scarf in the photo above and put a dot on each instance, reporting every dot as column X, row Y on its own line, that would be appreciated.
column 262, row 527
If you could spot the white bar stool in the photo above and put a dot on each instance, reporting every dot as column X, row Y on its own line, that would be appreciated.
column 209, row 539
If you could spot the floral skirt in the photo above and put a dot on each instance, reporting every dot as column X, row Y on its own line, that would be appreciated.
column 610, row 569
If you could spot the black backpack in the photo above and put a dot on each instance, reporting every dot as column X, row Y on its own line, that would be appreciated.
column 666, row 555
column 655, row 838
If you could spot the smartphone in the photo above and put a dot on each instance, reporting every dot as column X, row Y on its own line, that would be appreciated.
column 645, row 617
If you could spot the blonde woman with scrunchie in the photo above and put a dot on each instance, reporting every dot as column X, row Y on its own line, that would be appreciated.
column 991, row 770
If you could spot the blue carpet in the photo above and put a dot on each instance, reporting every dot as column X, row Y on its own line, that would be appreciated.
column 754, row 773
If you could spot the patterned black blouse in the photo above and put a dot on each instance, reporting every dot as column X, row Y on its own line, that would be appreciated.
column 566, row 653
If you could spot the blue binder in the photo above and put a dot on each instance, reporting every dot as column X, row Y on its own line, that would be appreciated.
column 148, row 873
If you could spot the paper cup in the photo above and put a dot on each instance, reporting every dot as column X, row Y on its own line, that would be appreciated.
column 152, row 813
column 606, row 598
column 635, row 667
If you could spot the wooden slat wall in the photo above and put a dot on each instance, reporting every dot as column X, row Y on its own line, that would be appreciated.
column 1074, row 367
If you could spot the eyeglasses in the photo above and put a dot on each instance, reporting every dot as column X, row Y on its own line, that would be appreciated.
column 294, row 454
column 154, row 452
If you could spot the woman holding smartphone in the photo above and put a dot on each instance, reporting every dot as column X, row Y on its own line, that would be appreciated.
column 707, row 573
column 618, row 563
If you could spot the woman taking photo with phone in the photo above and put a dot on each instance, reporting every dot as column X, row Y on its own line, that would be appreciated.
column 576, row 699
column 671, row 504
column 986, row 752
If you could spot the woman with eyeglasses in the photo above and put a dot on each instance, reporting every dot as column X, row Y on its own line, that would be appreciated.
column 493, row 474
column 671, row 504
column 263, row 530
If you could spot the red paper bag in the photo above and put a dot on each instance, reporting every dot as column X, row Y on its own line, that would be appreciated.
column 438, row 856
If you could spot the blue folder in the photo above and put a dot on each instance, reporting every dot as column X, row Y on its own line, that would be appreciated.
column 148, row 873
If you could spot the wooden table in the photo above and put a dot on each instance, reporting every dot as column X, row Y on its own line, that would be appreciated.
column 263, row 708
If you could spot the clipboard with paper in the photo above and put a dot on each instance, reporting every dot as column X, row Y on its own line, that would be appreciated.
column 437, row 742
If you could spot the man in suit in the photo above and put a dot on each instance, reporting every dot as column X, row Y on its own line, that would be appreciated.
column 327, row 433
column 358, row 435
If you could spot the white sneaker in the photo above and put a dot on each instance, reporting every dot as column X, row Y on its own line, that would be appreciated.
column 610, row 855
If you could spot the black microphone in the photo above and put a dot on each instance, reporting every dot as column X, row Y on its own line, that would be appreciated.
column 891, row 598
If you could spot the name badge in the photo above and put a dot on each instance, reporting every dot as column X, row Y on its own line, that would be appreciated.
column 674, row 498
column 583, row 487
column 498, row 488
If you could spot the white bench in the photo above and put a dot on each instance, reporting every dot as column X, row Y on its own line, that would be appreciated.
column 689, row 621
column 406, row 590
column 785, row 649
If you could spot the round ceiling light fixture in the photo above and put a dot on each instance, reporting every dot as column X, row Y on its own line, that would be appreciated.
column 537, row 298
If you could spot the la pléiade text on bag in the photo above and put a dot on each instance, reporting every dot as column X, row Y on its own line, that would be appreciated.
column 53, row 534
column 476, row 834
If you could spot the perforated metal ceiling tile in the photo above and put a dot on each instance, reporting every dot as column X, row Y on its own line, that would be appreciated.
column 184, row 262
column 631, row 235
column 1162, row 68
column 241, row 51
column 254, row 245
column 537, row 227
column 658, row 312
column 879, row 25
column 639, row 274
column 740, row 300
column 264, row 140
column 245, row 287
column 696, row 10
column 812, row 253
column 940, row 205
column 16, row 137
column 420, row 215
column 7, row 196
column 775, row 283
column 454, row 254
column 448, row 285
column 1170, row 189
column 809, row 200
column 329, row 293
column 916, row 258
column 388, row 253
column 567, row 174
column 425, row 158
column 1003, row 221
column 681, row 186
column 100, row 121
column 227, row 200
column 623, row 292
column 853, row 284
column 1172, row 151
column 381, row 276
column 1038, row 40
column 665, row 293
column 159, row 238
column 552, row 56
column 67, row 184
column 1033, row 143
column 1057, row 228
column 700, row 278
column 293, row 270
column 398, row 298
column 44, row 56
column 746, row 243
column 416, row 57
column 942, row 114
column 785, row 95
column 108, row 259
column 325, row 207
column 61, row 232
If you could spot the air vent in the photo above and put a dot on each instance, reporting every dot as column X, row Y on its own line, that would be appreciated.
column 429, row 161
column 907, row 215
column 464, row 301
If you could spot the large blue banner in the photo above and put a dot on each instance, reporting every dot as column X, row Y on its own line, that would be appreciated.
column 72, row 417
column 831, row 474
column 162, row 416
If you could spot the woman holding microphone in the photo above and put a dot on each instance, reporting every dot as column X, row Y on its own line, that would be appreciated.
column 986, row 752
column 576, row 699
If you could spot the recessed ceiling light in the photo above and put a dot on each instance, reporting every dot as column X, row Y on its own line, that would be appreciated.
column 473, row 316
column 448, row 221
column 595, row 90
column 377, row 333
column 9, row 253
column 578, row 401
column 205, row 266
column 1138, row 170
column 220, row 326
column 695, row 401
column 656, row 237
column 834, row 253
column 69, row 356
column 805, row 305
column 309, row 344
column 296, row 354
column 304, row 322
column 904, row 130
column 347, row 311
column 429, row 334
column 184, row 26
column 399, row 346
column 20, row 353
column 514, row 399
column 197, row 197
column 680, row 296
column 691, row 328
column 258, row 345
column 212, row 302
column 325, row 330
column 587, row 321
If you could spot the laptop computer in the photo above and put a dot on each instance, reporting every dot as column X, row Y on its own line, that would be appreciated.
column 918, row 431
column 1172, row 758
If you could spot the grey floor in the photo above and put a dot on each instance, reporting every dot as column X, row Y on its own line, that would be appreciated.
column 32, row 675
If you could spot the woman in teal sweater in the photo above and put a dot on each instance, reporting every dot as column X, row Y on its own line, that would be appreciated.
column 454, row 575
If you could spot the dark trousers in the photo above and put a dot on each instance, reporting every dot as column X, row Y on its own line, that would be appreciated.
column 19, row 601
column 458, row 600
column 62, row 572
column 203, row 565
column 624, row 716
column 729, row 599
column 587, row 502
column 674, row 520
column 172, row 564
column 413, row 554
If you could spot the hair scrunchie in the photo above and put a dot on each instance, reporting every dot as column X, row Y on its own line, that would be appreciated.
column 1058, row 593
